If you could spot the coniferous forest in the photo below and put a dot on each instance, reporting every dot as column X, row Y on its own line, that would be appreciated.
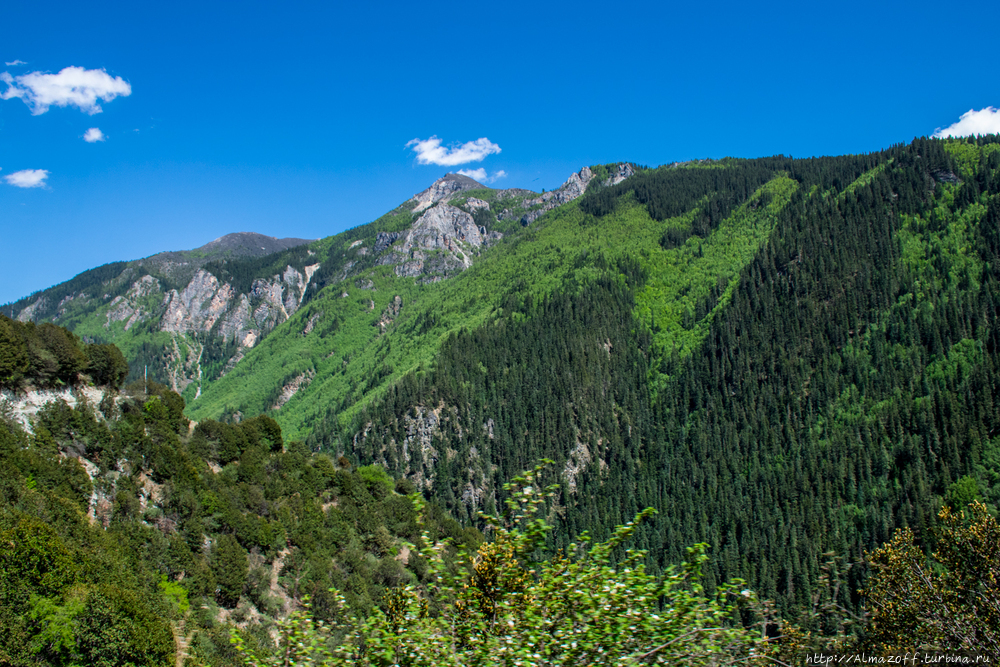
column 842, row 386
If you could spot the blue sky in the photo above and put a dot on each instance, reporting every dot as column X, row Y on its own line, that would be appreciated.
column 294, row 119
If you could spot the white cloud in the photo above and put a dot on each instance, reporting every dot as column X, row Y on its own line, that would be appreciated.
column 430, row 151
column 28, row 178
column 15, row 63
column 474, row 174
column 72, row 86
column 93, row 134
column 984, row 121
column 480, row 175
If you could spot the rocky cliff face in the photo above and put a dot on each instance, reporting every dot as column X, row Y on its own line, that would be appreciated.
column 441, row 242
column 206, row 306
column 438, row 244
column 205, row 303
column 22, row 407
column 132, row 307
column 444, row 188
column 573, row 188
column 203, row 307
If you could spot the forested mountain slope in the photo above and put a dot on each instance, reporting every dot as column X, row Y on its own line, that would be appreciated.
column 188, row 318
column 787, row 358
column 130, row 537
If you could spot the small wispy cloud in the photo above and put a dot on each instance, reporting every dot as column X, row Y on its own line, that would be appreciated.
column 430, row 151
column 984, row 121
column 481, row 176
column 27, row 178
column 475, row 174
column 72, row 86
column 15, row 63
column 93, row 135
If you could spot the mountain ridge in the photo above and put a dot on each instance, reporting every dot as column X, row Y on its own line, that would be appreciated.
column 787, row 357
column 189, row 317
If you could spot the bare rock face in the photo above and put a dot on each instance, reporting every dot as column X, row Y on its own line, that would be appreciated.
column 28, row 314
column 243, row 317
column 439, row 243
column 300, row 381
column 444, row 188
column 383, row 240
column 440, row 228
column 23, row 407
column 476, row 204
column 390, row 313
column 623, row 170
column 198, row 306
column 573, row 188
column 130, row 308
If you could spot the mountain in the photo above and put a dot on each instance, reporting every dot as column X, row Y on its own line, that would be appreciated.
column 188, row 317
column 786, row 357
column 241, row 245
column 159, row 308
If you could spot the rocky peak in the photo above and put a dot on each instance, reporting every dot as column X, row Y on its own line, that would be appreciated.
column 444, row 188
column 440, row 228
column 622, row 171
column 446, row 229
column 573, row 188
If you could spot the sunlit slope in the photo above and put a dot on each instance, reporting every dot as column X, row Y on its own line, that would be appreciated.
column 840, row 387
column 356, row 345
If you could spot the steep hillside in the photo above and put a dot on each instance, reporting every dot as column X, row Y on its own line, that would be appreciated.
column 171, row 314
column 188, row 318
column 131, row 538
column 385, row 297
column 786, row 357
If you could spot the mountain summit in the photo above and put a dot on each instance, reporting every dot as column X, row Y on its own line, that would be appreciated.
column 248, row 244
column 443, row 188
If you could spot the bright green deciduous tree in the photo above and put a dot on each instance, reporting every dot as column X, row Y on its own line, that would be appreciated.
column 500, row 608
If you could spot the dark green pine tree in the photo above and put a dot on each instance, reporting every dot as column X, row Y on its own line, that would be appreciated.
column 229, row 566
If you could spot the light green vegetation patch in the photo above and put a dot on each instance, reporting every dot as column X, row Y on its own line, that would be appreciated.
column 681, row 278
column 969, row 155
column 940, row 263
column 353, row 352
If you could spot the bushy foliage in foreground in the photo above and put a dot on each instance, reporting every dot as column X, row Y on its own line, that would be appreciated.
column 127, row 538
column 589, row 606
column 952, row 603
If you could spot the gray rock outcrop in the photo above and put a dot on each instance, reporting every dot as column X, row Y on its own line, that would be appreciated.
column 439, row 243
column 444, row 188
column 622, row 171
column 130, row 307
